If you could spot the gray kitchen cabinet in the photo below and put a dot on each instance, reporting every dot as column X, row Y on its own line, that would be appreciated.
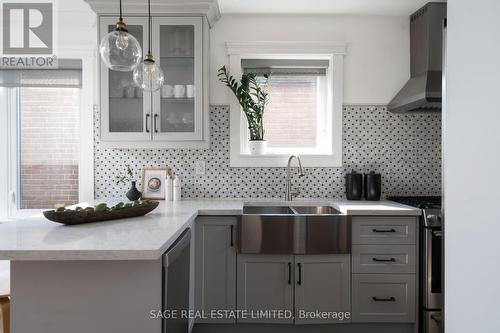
column 176, row 116
column 265, row 284
column 384, row 230
column 215, row 266
column 384, row 265
column 383, row 298
column 322, row 283
column 384, row 259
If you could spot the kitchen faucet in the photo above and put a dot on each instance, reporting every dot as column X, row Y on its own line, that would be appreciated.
column 289, row 193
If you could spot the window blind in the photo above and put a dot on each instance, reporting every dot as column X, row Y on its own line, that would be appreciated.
column 68, row 75
column 310, row 67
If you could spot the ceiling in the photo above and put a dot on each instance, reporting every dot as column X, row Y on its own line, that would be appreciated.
column 343, row 7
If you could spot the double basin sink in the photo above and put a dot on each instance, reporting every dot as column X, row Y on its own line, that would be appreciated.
column 293, row 229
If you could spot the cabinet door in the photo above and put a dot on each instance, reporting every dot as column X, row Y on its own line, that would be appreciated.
column 125, row 109
column 322, row 283
column 265, row 284
column 178, row 106
column 389, row 298
column 215, row 270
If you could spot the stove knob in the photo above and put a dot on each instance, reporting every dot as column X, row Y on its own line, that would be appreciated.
column 433, row 218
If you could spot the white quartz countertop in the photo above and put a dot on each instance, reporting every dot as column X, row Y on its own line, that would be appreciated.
column 140, row 238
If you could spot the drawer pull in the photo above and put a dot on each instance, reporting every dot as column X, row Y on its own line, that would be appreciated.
column 384, row 299
column 384, row 260
column 384, row 230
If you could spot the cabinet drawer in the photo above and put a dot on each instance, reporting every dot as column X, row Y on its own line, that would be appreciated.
column 383, row 298
column 384, row 230
column 383, row 259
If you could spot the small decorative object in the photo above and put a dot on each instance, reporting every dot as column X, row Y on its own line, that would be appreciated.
column 177, row 188
column 353, row 185
column 179, row 91
column 119, row 50
column 167, row 91
column 148, row 75
column 373, row 186
column 190, row 90
column 169, row 196
column 154, row 183
column 132, row 194
column 253, row 100
column 100, row 212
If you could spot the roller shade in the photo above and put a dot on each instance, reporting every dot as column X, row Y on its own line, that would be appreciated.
column 311, row 67
column 68, row 75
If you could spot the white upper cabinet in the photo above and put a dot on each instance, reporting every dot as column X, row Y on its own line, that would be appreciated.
column 176, row 116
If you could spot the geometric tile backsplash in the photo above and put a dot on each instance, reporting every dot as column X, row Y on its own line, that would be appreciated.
column 404, row 148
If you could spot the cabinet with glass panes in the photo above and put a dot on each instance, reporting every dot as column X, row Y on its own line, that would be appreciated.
column 174, row 116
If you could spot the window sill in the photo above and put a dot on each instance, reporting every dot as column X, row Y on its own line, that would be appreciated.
column 280, row 160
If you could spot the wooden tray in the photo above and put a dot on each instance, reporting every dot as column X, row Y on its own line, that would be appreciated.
column 71, row 217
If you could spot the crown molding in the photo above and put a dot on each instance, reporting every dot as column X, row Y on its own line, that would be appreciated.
column 284, row 47
column 208, row 8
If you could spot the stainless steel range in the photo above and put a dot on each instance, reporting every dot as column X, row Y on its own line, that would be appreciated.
column 431, row 274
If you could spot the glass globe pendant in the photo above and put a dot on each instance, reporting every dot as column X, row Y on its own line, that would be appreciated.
column 120, row 51
column 149, row 75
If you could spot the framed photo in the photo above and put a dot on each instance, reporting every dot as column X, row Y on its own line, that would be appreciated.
column 153, row 183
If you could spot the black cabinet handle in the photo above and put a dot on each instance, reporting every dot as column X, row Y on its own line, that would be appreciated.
column 384, row 260
column 384, row 230
column 232, row 231
column 147, row 122
column 156, row 116
column 289, row 273
column 384, row 299
column 299, row 282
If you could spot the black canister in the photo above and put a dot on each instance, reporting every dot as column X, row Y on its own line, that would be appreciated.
column 373, row 186
column 353, row 185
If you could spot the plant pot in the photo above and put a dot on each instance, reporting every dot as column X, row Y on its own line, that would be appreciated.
column 257, row 147
column 133, row 194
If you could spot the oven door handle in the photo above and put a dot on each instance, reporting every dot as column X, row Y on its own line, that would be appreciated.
column 437, row 318
column 437, row 233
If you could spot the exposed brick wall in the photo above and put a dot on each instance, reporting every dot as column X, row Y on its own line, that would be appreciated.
column 290, row 118
column 49, row 147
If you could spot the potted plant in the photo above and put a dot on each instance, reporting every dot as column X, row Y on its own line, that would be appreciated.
column 133, row 193
column 253, row 100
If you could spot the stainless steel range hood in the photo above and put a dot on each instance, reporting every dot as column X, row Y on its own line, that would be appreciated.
column 422, row 93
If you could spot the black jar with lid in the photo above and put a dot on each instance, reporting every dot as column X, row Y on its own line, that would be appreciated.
column 353, row 185
column 373, row 186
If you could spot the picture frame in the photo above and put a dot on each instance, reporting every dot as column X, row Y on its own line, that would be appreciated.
column 153, row 182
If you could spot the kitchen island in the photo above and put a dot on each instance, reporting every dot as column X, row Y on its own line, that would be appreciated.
column 107, row 277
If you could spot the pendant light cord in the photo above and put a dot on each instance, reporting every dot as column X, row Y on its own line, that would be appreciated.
column 150, row 26
column 121, row 18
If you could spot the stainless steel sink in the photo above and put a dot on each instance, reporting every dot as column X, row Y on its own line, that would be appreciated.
column 293, row 230
column 268, row 210
column 316, row 210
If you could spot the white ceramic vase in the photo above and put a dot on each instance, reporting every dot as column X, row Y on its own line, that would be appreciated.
column 257, row 147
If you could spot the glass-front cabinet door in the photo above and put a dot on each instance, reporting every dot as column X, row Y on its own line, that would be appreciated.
column 178, row 105
column 125, row 109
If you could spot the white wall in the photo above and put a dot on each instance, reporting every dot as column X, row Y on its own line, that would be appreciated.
column 472, row 163
column 76, row 37
column 376, row 66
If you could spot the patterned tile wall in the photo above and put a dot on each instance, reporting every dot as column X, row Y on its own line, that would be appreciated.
column 405, row 149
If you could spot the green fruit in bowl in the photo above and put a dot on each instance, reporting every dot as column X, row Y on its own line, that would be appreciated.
column 102, row 207
column 60, row 209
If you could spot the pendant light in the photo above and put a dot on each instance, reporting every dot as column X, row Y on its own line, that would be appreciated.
column 120, row 51
column 149, row 75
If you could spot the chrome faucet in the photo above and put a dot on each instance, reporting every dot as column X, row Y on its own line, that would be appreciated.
column 289, row 193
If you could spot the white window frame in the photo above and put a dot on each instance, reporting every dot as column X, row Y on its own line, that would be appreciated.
column 332, row 51
column 8, row 145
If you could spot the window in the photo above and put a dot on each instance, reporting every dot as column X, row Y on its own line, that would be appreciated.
column 304, row 114
column 42, row 108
